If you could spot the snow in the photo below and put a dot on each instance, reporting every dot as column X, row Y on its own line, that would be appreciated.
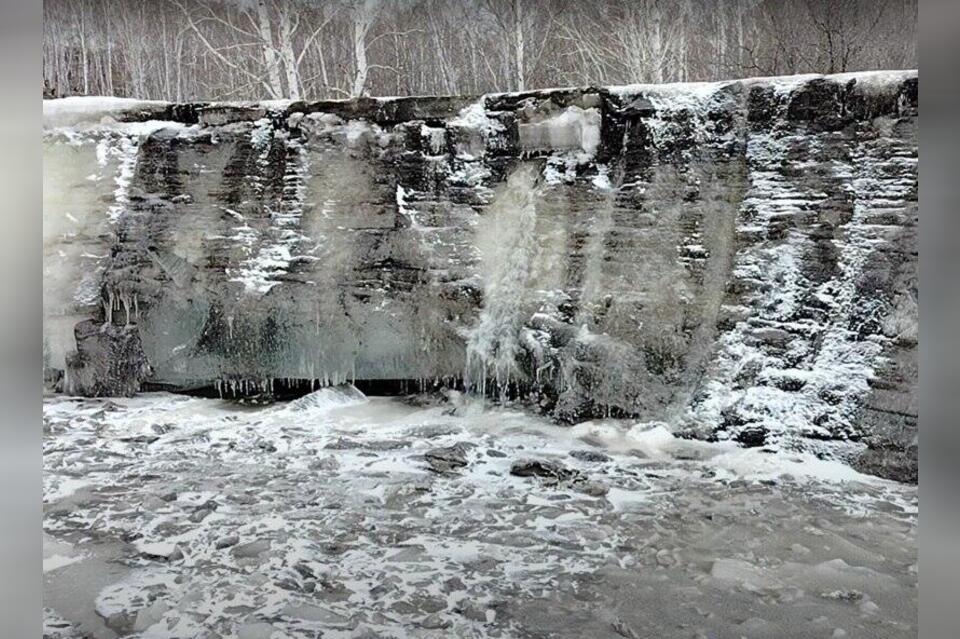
column 693, row 95
column 655, row 441
column 756, row 464
column 402, row 206
column 601, row 181
column 675, row 95
column 875, row 80
column 275, row 105
column 475, row 117
column 696, row 92
column 123, row 150
column 71, row 111
column 62, row 487
column 435, row 136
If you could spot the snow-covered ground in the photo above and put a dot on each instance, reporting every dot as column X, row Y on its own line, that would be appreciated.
column 168, row 516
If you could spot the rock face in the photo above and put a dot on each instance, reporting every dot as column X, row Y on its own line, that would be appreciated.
column 737, row 258
column 108, row 362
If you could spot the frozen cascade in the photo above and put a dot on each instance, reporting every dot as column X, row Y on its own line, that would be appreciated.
column 607, row 183
column 278, row 241
column 90, row 165
column 508, row 250
column 124, row 149
column 733, row 258
column 801, row 364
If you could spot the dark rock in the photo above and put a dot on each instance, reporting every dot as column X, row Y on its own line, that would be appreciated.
column 121, row 622
column 266, row 446
column 200, row 514
column 227, row 541
column 162, row 551
column 446, row 460
column 752, row 436
column 216, row 115
column 775, row 337
column 140, row 439
column 434, row 622
column 388, row 444
column 820, row 102
column 257, row 399
column 541, row 468
column 590, row 456
column 342, row 443
column 472, row 611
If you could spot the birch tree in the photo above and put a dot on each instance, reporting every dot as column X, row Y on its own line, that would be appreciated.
column 363, row 14
column 271, row 59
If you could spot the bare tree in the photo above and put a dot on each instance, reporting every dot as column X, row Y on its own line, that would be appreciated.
column 309, row 49
column 363, row 14
column 844, row 28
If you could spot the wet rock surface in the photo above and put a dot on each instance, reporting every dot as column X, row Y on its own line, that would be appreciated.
column 687, row 539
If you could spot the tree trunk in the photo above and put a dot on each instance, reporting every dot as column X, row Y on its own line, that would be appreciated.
column 360, row 56
column 109, row 42
column 518, row 43
column 269, row 51
column 657, row 58
column 286, row 51
column 362, row 21
column 83, row 50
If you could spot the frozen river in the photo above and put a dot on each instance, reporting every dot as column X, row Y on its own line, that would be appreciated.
column 340, row 516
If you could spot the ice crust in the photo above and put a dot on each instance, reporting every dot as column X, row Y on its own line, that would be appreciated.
column 323, row 516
